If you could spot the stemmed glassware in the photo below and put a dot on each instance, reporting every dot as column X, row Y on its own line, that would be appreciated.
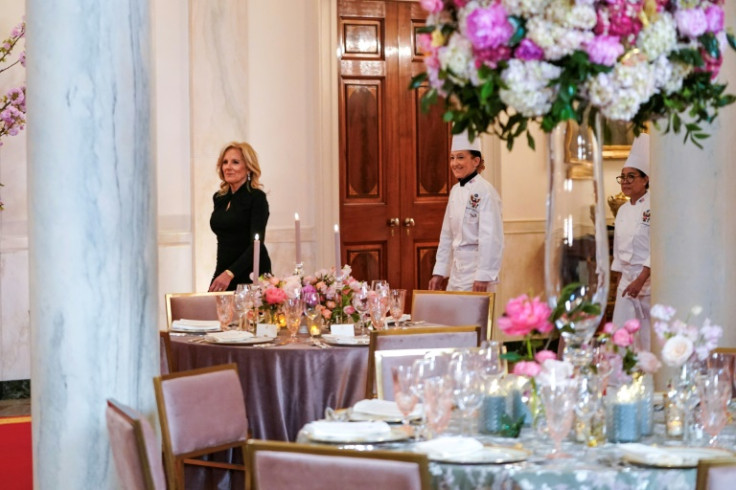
column 397, row 298
column 714, row 390
column 404, row 395
column 559, row 409
column 464, row 370
column 310, row 300
column 438, row 391
column 377, row 308
column 225, row 307
column 293, row 308
column 360, row 303
column 589, row 402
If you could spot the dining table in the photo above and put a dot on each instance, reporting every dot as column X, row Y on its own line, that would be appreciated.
column 524, row 463
column 285, row 385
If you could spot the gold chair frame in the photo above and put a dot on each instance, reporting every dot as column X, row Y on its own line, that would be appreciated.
column 491, row 304
column 175, row 464
column 704, row 466
column 370, row 379
column 169, row 296
column 139, row 439
column 254, row 446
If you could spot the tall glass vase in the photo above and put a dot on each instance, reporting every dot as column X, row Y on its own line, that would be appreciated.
column 576, row 247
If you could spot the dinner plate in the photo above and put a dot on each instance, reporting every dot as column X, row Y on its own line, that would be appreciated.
column 396, row 434
column 674, row 457
column 250, row 341
column 359, row 340
column 195, row 326
column 487, row 455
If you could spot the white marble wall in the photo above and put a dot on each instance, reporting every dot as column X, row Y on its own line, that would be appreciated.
column 92, row 231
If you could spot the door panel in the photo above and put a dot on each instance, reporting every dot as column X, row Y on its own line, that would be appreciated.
column 393, row 157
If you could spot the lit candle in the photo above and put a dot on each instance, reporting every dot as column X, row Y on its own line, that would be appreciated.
column 337, row 251
column 298, row 238
column 256, row 258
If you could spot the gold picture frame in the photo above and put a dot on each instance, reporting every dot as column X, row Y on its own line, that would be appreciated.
column 618, row 137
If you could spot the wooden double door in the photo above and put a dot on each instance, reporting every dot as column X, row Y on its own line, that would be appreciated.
column 394, row 173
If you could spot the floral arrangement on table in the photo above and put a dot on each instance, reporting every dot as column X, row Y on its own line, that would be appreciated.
column 624, row 358
column 13, row 103
column 335, row 296
column 530, row 318
column 684, row 341
column 500, row 64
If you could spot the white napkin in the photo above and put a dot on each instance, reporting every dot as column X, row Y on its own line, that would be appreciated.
column 229, row 336
column 384, row 408
column 404, row 318
column 449, row 447
column 348, row 430
column 654, row 455
column 184, row 325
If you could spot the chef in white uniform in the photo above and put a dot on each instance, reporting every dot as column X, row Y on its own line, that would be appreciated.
column 631, row 242
column 471, row 242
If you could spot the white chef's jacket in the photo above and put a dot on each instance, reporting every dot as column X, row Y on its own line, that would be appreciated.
column 471, row 242
column 630, row 255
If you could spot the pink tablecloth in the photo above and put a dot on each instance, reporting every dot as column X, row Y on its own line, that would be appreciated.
column 285, row 386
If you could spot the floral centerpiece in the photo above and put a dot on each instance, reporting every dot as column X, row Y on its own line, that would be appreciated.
column 620, row 353
column 273, row 291
column 13, row 103
column 684, row 341
column 336, row 296
column 500, row 64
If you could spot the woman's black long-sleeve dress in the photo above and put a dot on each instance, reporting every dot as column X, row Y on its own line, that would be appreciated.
column 236, row 219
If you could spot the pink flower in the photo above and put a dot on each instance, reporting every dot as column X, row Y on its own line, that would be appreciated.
column 622, row 338
column 431, row 6
column 647, row 362
column 691, row 22
column 488, row 27
column 604, row 50
column 348, row 310
column 632, row 326
column 527, row 368
column 331, row 304
column 326, row 314
column 543, row 355
column 275, row 296
column 528, row 50
column 524, row 316
column 714, row 18
column 609, row 328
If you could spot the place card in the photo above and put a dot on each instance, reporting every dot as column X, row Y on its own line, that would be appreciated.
column 267, row 330
column 343, row 329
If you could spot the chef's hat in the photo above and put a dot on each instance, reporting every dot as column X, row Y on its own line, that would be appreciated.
column 639, row 156
column 461, row 142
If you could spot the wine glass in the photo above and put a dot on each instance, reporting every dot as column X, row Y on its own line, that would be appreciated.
column 377, row 304
column 468, row 392
column 379, row 284
column 360, row 303
column 405, row 397
column 310, row 299
column 559, row 409
column 397, row 298
column 492, row 364
column 589, row 401
column 293, row 308
column 438, row 403
column 714, row 390
column 225, row 307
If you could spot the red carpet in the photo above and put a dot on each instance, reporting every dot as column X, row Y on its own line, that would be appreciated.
column 16, row 468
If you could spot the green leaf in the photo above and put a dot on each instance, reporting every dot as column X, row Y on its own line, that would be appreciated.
column 731, row 40
column 511, row 427
column 519, row 30
column 428, row 29
column 512, row 357
column 448, row 116
column 530, row 140
column 418, row 80
column 710, row 44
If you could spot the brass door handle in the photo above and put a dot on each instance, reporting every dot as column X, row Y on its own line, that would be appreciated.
column 392, row 222
column 409, row 222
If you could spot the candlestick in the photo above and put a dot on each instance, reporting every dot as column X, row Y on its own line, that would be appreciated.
column 338, row 267
column 256, row 258
column 298, row 238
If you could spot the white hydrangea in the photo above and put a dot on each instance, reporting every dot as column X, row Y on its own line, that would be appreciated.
column 555, row 40
column 624, row 105
column 601, row 89
column 575, row 15
column 639, row 77
column 525, row 8
column 659, row 37
column 668, row 76
column 457, row 57
column 528, row 91
column 620, row 93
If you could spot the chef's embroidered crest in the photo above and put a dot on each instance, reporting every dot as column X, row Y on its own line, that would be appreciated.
column 646, row 215
column 474, row 201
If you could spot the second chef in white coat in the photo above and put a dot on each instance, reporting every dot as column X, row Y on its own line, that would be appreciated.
column 471, row 242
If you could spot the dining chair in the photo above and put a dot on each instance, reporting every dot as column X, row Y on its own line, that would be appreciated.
column 166, row 357
column 716, row 474
column 192, row 306
column 275, row 465
column 386, row 360
column 202, row 411
column 454, row 308
column 416, row 338
column 134, row 448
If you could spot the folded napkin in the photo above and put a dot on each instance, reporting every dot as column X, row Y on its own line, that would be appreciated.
column 184, row 325
column 349, row 430
column 449, row 447
column 384, row 408
column 655, row 455
column 229, row 336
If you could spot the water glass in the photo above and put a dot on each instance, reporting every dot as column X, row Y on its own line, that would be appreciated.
column 397, row 298
column 438, row 403
column 293, row 308
column 225, row 308
column 404, row 395
column 360, row 303
column 559, row 408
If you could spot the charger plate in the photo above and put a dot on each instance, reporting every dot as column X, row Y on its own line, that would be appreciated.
column 675, row 457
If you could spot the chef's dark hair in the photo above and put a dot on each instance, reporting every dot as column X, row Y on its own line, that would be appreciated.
column 642, row 176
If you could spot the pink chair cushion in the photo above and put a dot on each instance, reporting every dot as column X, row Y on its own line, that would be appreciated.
column 722, row 478
column 193, row 307
column 427, row 340
column 125, row 451
column 452, row 309
column 386, row 364
column 278, row 470
column 204, row 410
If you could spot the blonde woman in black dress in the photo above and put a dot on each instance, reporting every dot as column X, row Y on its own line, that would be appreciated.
column 241, row 212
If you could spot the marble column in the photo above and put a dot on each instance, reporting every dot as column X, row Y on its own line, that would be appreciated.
column 693, row 228
column 92, row 232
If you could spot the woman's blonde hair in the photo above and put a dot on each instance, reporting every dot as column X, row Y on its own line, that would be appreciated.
column 250, row 157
